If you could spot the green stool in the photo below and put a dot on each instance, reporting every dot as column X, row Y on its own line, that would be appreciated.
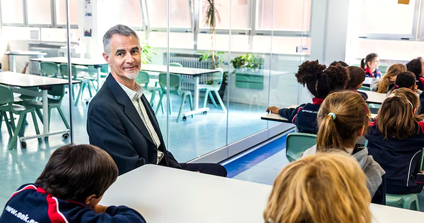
column 175, row 65
column 6, row 98
column 297, row 143
column 174, row 86
column 48, row 69
column 402, row 200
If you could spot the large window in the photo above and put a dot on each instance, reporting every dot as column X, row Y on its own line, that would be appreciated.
column 12, row 11
column 393, row 18
column 180, row 13
column 39, row 12
column 128, row 13
column 61, row 12
column 283, row 15
column 239, row 14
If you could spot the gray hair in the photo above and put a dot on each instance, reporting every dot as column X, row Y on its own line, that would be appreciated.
column 120, row 30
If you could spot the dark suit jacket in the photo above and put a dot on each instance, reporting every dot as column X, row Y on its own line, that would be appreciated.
column 114, row 125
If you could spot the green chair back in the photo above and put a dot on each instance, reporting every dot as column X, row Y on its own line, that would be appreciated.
column 175, row 65
column 6, row 94
column 142, row 78
column 64, row 71
column 217, row 78
column 48, row 68
column 297, row 143
column 174, row 82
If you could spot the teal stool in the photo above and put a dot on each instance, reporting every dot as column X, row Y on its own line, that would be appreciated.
column 174, row 85
column 6, row 98
column 297, row 143
column 48, row 69
column 402, row 200
column 175, row 65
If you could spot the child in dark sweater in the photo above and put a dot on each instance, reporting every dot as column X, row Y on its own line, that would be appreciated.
column 320, row 81
column 69, row 190
column 396, row 139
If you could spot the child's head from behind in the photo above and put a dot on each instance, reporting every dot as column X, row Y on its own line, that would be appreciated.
column 390, row 76
column 357, row 77
column 342, row 118
column 396, row 117
column 405, row 80
column 344, row 64
column 78, row 173
column 321, row 81
column 416, row 66
column 323, row 188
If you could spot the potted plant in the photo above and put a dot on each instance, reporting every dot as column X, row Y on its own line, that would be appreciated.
column 146, row 53
column 218, row 62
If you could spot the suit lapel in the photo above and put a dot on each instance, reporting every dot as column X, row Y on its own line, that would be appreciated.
column 129, row 109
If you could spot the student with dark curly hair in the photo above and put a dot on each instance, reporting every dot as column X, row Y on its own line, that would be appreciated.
column 416, row 67
column 320, row 82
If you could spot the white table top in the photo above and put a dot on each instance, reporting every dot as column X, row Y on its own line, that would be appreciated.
column 375, row 97
column 74, row 61
column 274, row 117
column 25, row 53
column 176, row 70
column 28, row 80
column 164, row 195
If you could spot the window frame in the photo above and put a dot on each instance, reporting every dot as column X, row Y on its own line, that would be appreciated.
column 16, row 24
column 413, row 36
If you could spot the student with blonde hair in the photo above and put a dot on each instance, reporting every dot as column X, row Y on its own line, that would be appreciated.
column 324, row 188
column 342, row 120
column 396, row 139
column 390, row 77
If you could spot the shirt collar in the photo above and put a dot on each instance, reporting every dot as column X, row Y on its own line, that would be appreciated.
column 317, row 101
column 137, row 92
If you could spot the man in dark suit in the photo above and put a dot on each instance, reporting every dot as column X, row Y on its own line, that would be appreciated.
column 120, row 119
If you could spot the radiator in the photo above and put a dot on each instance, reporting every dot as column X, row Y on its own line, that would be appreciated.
column 192, row 61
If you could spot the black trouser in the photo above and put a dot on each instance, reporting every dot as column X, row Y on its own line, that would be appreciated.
column 207, row 168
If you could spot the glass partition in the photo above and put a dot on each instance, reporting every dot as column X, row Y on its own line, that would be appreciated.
column 221, row 79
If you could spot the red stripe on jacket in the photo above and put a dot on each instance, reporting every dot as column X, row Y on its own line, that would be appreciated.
column 53, row 208
column 29, row 187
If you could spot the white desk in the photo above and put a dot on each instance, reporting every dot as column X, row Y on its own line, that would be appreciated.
column 190, row 73
column 164, row 195
column 374, row 97
column 24, row 81
column 276, row 117
column 12, row 55
column 97, row 63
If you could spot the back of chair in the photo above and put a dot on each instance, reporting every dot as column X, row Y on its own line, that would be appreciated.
column 142, row 78
column 6, row 94
column 175, row 65
column 297, row 143
column 48, row 68
column 218, row 77
column 58, row 91
column 174, row 82
column 64, row 71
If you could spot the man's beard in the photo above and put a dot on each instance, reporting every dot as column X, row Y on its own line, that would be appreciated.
column 131, row 76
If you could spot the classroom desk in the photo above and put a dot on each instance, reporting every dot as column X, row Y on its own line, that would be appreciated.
column 192, row 74
column 97, row 63
column 276, row 117
column 23, row 81
column 164, row 195
column 14, row 53
column 374, row 97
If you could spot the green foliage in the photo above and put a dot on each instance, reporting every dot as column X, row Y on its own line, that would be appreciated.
column 211, row 14
column 247, row 61
column 146, row 53
column 218, row 58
